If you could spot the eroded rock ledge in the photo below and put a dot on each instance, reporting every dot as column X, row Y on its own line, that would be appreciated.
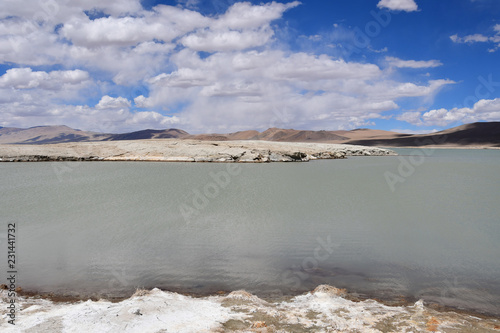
column 175, row 150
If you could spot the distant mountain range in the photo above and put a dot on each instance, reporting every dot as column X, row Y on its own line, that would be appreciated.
column 485, row 134
column 60, row 134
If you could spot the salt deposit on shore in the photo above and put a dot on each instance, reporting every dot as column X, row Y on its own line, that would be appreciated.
column 173, row 150
column 323, row 310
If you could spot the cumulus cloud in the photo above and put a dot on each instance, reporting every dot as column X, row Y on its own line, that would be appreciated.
column 108, row 102
column 229, row 40
column 241, row 80
column 395, row 90
column 244, row 15
column 306, row 67
column 398, row 5
column 396, row 62
column 277, row 89
column 483, row 110
column 164, row 23
column 150, row 119
column 243, row 26
column 26, row 78
column 412, row 117
column 51, row 11
column 141, row 102
column 24, row 42
column 110, row 115
column 127, row 66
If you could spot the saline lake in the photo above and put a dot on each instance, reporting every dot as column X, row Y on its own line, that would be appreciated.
column 413, row 227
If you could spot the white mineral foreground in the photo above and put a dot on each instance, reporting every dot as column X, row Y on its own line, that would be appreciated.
column 323, row 310
column 175, row 150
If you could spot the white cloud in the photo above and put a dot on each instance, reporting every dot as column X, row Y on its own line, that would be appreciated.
column 276, row 88
column 243, row 26
column 25, row 78
column 165, row 23
column 246, row 81
column 411, row 117
column 395, row 90
column 402, row 5
column 141, row 102
column 433, row 87
column 150, row 119
column 108, row 102
column 22, row 78
column 483, row 110
column 237, row 89
column 71, row 77
column 25, row 42
column 244, row 15
column 305, row 67
column 111, row 115
column 57, row 11
column 184, row 78
column 417, row 131
column 127, row 66
column 396, row 62
column 476, row 38
column 443, row 117
column 229, row 40
column 480, row 38
column 108, row 31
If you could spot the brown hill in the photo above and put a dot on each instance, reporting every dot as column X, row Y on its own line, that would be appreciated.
column 9, row 130
column 243, row 135
column 477, row 134
column 275, row 134
column 60, row 134
column 45, row 134
column 209, row 137
column 481, row 134
column 369, row 134
column 171, row 133
column 291, row 135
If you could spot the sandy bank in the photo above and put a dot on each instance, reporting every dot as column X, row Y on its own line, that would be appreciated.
column 323, row 310
column 186, row 151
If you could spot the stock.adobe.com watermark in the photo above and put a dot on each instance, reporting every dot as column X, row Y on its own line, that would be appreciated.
column 201, row 197
column 297, row 274
column 46, row 12
column 484, row 90
column 372, row 29
column 409, row 164
column 11, row 273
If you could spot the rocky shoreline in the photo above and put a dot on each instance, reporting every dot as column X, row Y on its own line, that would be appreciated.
column 174, row 150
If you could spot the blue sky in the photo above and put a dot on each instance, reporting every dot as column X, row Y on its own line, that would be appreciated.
column 223, row 66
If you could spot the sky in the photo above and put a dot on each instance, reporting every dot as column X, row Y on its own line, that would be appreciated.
column 412, row 66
